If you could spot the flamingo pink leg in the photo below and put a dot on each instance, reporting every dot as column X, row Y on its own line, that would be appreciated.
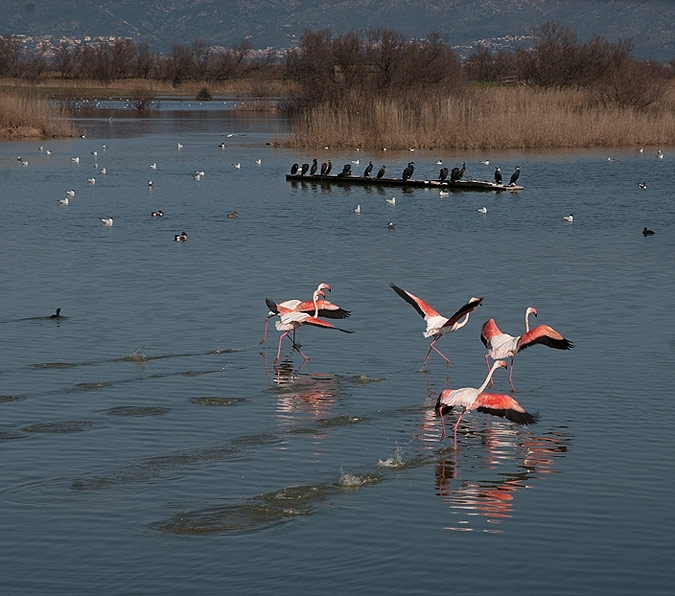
column 262, row 341
column 440, row 412
column 510, row 373
column 456, row 425
column 433, row 347
column 279, row 349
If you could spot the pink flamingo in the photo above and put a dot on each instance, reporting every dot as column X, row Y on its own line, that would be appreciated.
column 438, row 325
column 290, row 320
column 503, row 345
column 497, row 404
column 328, row 310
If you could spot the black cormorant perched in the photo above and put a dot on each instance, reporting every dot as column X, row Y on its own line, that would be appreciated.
column 330, row 167
column 498, row 175
column 315, row 165
column 645, row 232
column 381, row 172
column 324, row 167
column 294, row 169
column 514, row 176
column 456, row 173
column 304, row 168
column 408, row 172
column 346, row 170
column 369, row 169
column 443, row 174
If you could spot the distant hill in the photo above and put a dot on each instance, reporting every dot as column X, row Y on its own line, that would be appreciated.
column 280, row 23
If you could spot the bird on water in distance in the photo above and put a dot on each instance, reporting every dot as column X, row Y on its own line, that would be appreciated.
column 369, row 169
column 159, row 213
column 502, row 345
column 642, row 185
column 357, row 209
column 391, row 201
column 391, row 225
column 408, row 171
column 106, row 221
column 314, row 166
column 647, row 232
column 482, row 209
column 182, row 237
column 514, row 176
column 438, row 325
column 498, row 175
column 470, row 398
column 294, row 169
column 326, row 309
column 569, row 218
column 56, row 315
column 233, row 215
column 381, row 171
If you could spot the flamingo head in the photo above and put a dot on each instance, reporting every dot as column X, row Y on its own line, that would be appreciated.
column 500, row 364
column 474, row 299
column 531, row 311
column 323, row 286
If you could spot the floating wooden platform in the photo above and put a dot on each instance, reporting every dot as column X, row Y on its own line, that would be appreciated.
column 483, row 185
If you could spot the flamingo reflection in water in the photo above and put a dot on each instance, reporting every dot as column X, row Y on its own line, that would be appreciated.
column 493, row 501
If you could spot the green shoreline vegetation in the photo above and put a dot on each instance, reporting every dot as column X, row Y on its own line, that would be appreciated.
column 370, row 90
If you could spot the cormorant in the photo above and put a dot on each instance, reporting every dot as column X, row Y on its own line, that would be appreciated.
column 456, row 174
column 498, row 175
column 57, row 314
column 294, row 169
column 369, row 169
column 514, row 176
column 315, row 165
column 408, row 172
column 304, row 168
column 443, row 174
column 346, row 170
column 645, row 232
column 324, row 167
column 330, row 167
column 381, row 172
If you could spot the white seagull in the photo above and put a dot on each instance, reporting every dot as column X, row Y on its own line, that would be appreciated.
column 91, row 180
column 391, row 201
column 357, row 209
column 65, row 201
column 569, row 218
column 482, row 210
column 106, row 221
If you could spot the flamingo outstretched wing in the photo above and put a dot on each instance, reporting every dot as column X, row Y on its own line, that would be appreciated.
column 467, row 308
column 424, row 310
column 488, row 331
column 504, row 406
column 543, row 334
column 305, row 319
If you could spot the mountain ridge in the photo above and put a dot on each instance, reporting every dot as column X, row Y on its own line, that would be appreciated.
column 280, row 23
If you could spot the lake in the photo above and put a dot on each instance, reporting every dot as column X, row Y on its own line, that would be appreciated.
column 150, row 444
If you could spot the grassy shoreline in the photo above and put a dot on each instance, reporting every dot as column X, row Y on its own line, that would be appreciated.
column 486, row 117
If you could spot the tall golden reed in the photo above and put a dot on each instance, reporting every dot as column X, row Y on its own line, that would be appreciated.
column 490, row 117
column 25, row 115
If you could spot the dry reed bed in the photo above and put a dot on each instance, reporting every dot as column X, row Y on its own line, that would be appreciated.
column 495, row 118
column 24, row 115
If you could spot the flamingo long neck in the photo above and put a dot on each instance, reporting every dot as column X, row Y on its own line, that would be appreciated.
column 315, row 297
column 528, row 312
column 495, row 366
column 459, row 324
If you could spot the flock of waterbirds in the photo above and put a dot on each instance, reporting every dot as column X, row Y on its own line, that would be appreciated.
column 297, row 313
column 109, row 221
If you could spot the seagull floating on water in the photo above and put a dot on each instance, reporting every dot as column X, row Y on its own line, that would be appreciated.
column 106, row 221
column 659, row 154
column 439, row 162
column 357, row 209
column 153, row 166
column 179, row 145
column 482, row 210
column 485, row 162
column 569, row 217
column 65, row 201
column 642, row 185
column 391, row 201
column 237, row 166
column 103, row 171
column 258, row 161
column 75, row 159
column 150, row 183
column 71, row 192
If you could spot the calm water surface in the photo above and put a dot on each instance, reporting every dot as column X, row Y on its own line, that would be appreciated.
column 151, row 446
